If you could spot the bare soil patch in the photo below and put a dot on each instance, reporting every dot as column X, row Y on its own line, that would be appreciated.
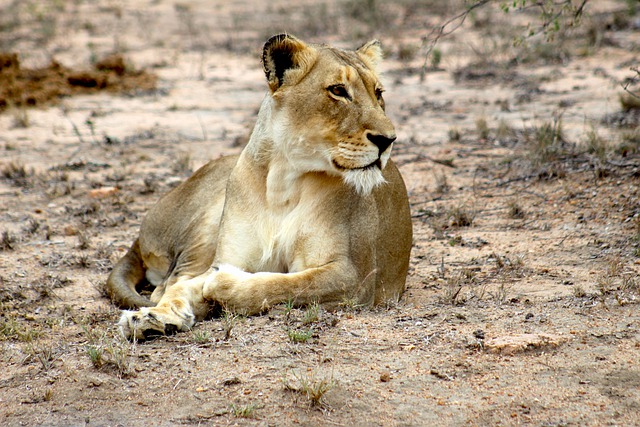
column 523, row 169
column 20, row 87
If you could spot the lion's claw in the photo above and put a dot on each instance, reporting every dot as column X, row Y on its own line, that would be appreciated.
column 151, row 334
column 151, row 322
column 170, row 329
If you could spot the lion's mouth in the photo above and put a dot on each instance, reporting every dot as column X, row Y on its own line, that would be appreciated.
column 376, row 163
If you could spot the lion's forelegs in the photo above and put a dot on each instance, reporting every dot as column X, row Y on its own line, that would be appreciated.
column 252, row 293
column 178, row 310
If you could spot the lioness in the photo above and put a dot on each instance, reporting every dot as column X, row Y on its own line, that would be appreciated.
column 312, row 210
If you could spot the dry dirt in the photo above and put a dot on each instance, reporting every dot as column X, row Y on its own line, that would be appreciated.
column 523, row 172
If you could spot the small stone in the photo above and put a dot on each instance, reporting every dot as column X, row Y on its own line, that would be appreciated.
column 510, row 344
column 385, row 376
column 102, row 192
column 70, row 230
column 231, row 381
column 94, row 382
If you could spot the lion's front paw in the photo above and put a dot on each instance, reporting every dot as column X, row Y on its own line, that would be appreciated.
column 235, row 289
column 149, row 322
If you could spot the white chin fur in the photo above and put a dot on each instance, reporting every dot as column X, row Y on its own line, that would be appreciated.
column 364, row 181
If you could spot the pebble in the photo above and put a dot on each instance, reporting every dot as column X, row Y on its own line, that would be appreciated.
column 102, row 192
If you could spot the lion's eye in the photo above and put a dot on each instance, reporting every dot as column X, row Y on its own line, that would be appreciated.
column 339, row 91
column 379, row 94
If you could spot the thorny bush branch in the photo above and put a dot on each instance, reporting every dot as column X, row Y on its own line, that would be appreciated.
column 550, row 13
column 632, row 81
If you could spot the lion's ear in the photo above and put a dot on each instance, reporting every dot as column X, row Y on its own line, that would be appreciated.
column 284, row 56
column 371, row 53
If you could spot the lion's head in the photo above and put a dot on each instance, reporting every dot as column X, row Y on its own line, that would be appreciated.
column 329, row 109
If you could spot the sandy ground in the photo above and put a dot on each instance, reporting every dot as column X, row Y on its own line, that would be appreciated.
column 522, row 298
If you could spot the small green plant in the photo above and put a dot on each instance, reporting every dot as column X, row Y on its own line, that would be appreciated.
column 95, row 346
column 514, row 210
column 461, row 216
column 300, row 335
column 288, row 308
column 84, row 241
column 313, row 388
column 579, row 292
column 501, row 294
column 630, row 283
column 605, row 285
column 43, row 353
column 201, row 337
column 504, row 132
column 614, row 267
column 350, row 305
column 636, row 237
column 436, row 58
column 7, row 242
column 455, row 283
column 311, row 314
column 407, row 52
column 455, row 241
column 367, row 11
column 182, row 164
column 12, row 330
column 482, row 127
column 118, row 351
column 82, row 261
column 96, row 354
column 629, row 142
column 244, row 411
column 509, row 266
column 548, row 144
column 454, row 134
column 442, row 185
column 20, row 117
column 229, row 321
column 17, row 174
column 108, row 352
column 32, row 226
column 596, row 145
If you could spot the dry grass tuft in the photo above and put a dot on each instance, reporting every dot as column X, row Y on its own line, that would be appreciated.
column 311, row 386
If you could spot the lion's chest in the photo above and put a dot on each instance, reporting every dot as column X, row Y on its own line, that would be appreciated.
column 291, row 233
column 285, row 225
column 278, row 236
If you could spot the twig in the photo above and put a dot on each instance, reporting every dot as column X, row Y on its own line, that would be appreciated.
column 204, row 130
column 442, row 31
column 631, row 81
column 75, row 129
column 452, row 24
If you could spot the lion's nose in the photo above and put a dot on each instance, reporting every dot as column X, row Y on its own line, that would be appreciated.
column 381, row 141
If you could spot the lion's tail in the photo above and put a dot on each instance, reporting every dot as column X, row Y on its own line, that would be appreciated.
column 125, row 276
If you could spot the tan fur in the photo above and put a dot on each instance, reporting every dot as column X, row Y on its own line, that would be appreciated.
column 312, row 210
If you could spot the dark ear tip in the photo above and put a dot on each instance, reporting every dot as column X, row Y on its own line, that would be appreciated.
column 279, row 55
column 374, row 42
column 277, row 38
